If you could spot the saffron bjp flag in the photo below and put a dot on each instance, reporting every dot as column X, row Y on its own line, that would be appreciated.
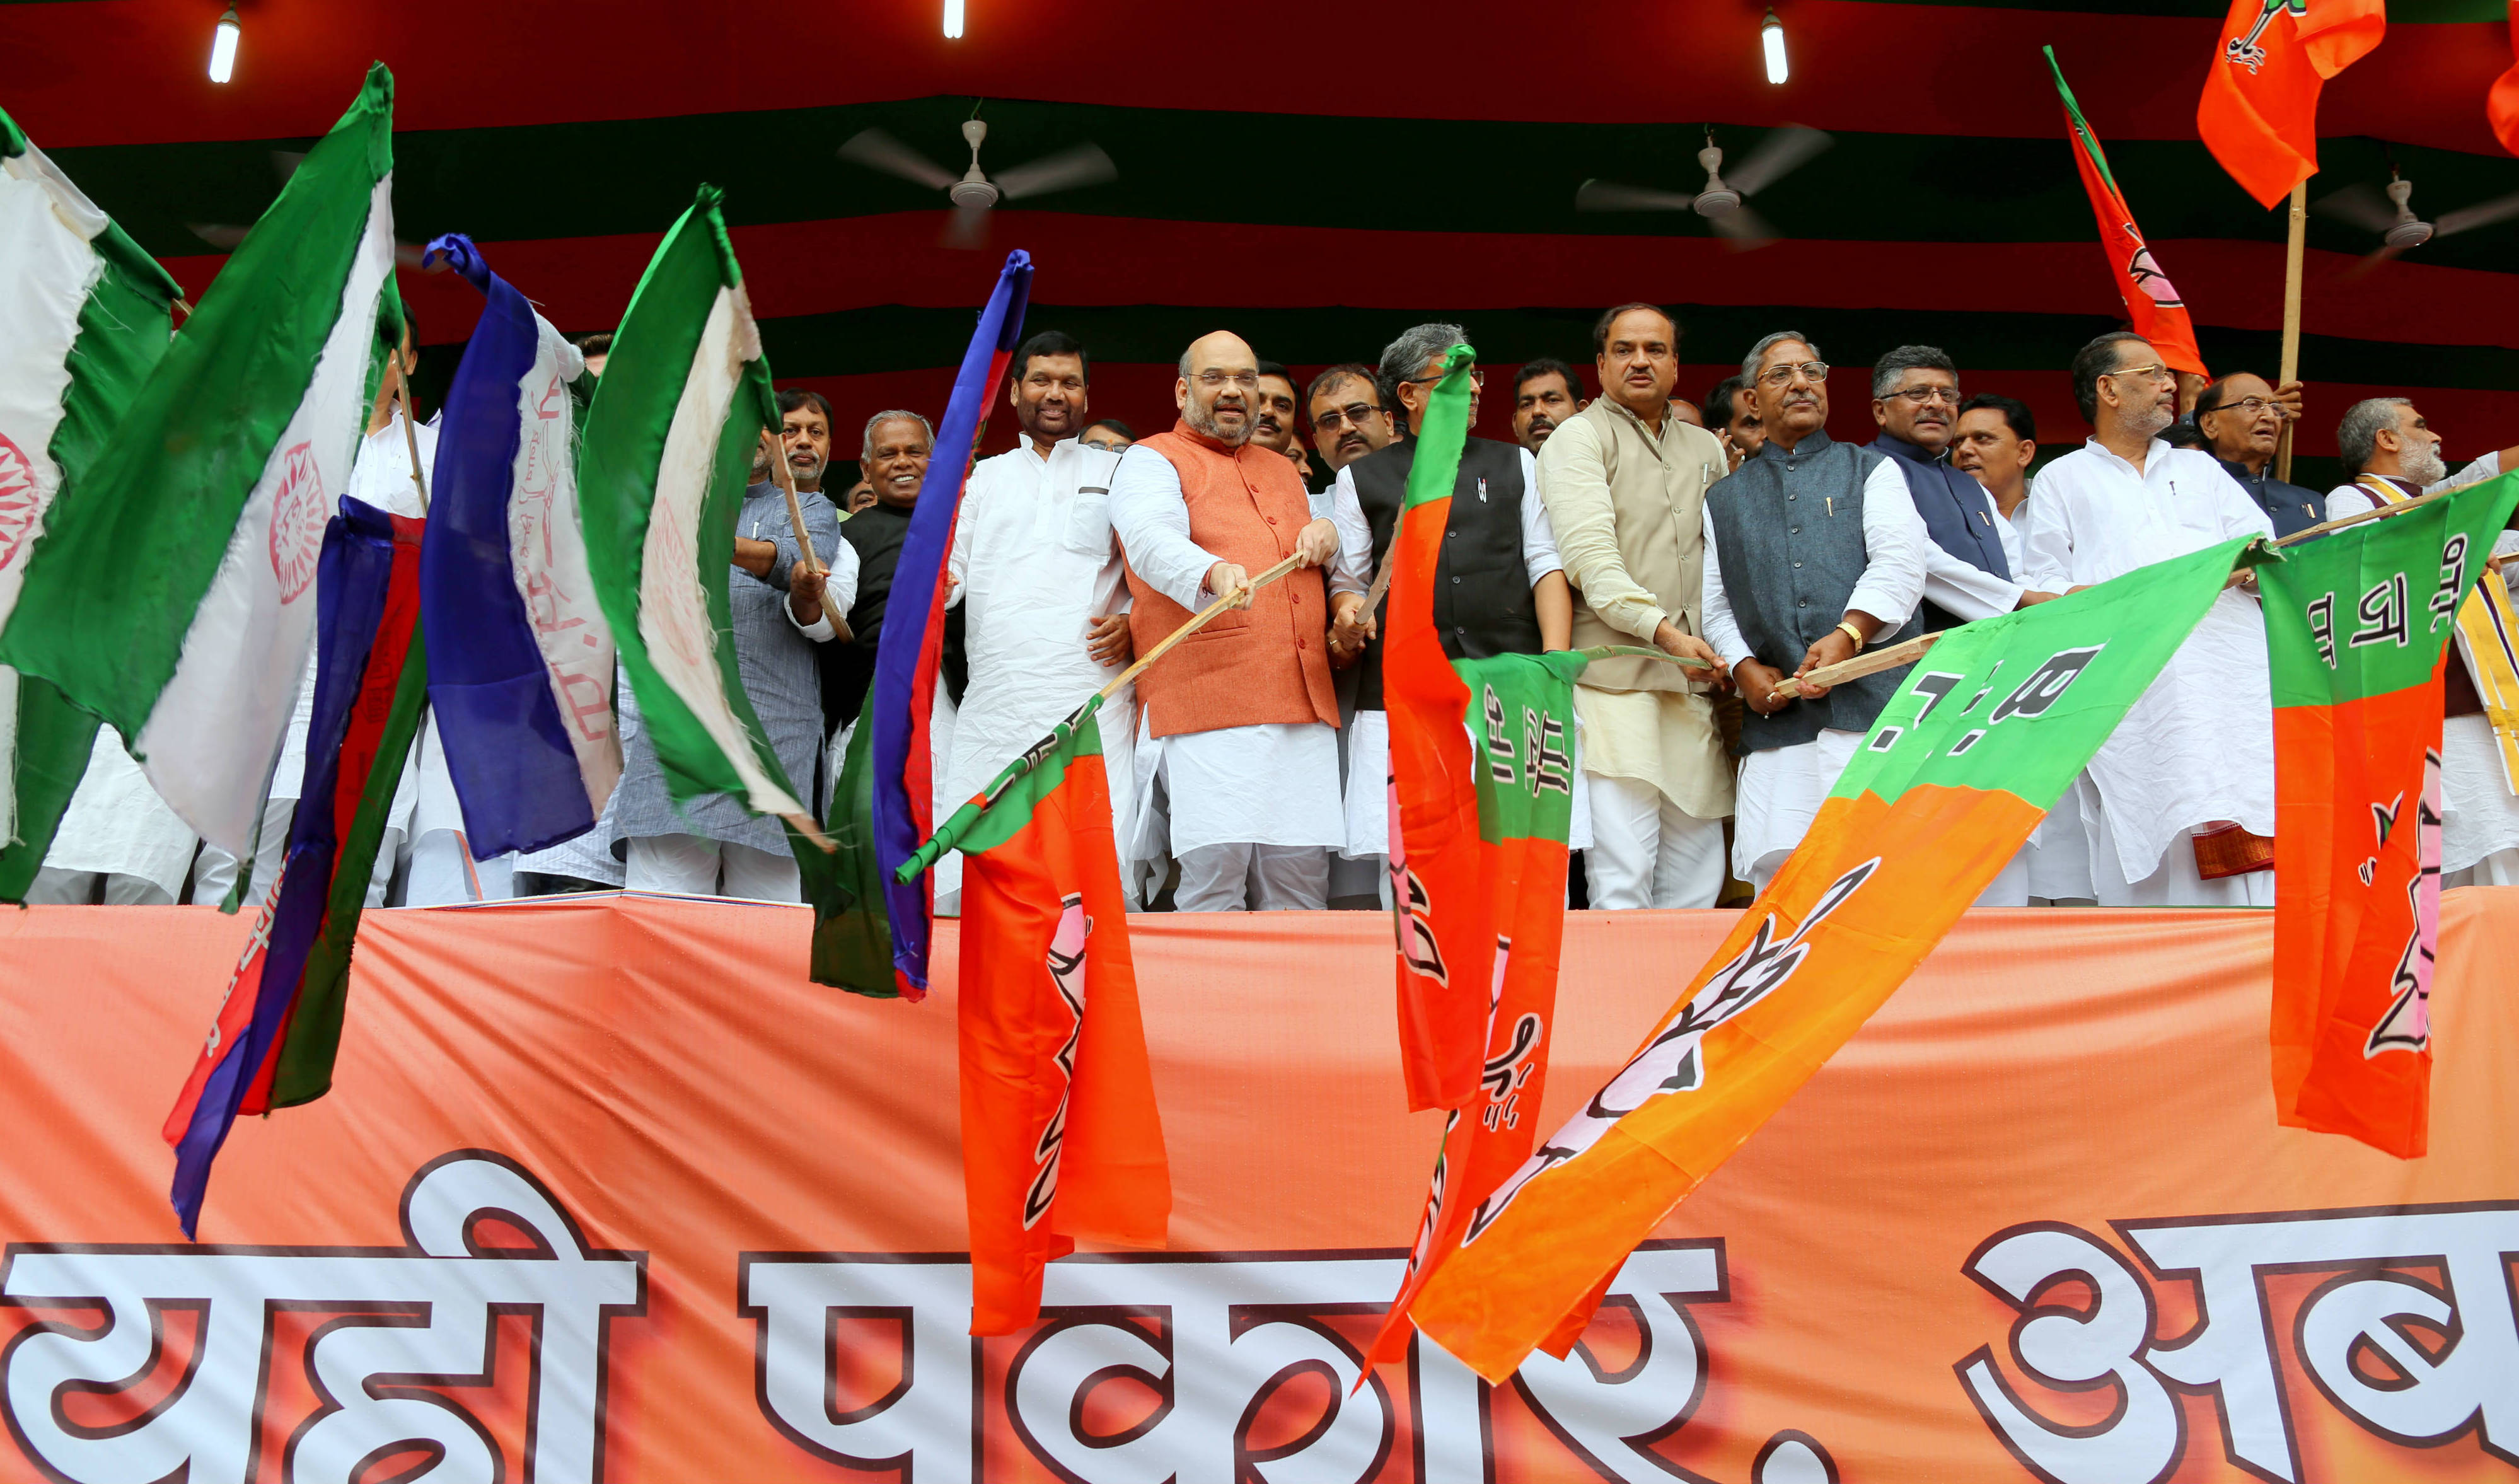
column 369, row 680
column 2502, row 104
column 2259, row 110
column 1522, row 706
column 84, row 318
column 911, row 646
column 1439, row 909
column 2358, row 627
column 175, row 597
column 1985, row 733
column 1061, row 1139
column 523, row 683
column 680, row 410
column 2151, row 302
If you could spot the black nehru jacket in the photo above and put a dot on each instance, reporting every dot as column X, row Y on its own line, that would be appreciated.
column 1482, row 585
column 875, row 534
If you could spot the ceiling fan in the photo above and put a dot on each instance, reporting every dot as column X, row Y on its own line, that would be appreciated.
column 1723, row 204
column 227, row 237
column 973, row 192
column 2394, row 220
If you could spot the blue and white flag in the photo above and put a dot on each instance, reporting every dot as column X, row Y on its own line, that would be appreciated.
column 520, row 655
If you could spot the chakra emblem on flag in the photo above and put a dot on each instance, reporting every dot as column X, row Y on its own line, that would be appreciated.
column 18, row 505
column 297, row 519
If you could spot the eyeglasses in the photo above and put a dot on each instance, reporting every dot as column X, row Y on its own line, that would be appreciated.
column 1350, row 416
column 1247, row 380
column 1814, row 372
column 2249, row 405
column 2155, row 371
column 1924, row 396
column 1478, row 378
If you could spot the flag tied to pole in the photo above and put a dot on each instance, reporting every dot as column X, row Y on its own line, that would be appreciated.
column 911, row 645
column 2358, row 626
column 522, row 684
column 1061, row 1137
column 88, row 315
column 2259, row 110
column 2151, row 302
column 1984, row 734
column 279, row 1024
column 175, row 597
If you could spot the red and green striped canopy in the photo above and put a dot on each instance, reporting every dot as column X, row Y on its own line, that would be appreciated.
column 1319, row 179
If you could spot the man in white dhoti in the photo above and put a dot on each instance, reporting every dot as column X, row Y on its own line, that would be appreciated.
column 1044, row 598
column 1237, row 760
column 2191, row 766
column 2399, row 457
column 1813, row 553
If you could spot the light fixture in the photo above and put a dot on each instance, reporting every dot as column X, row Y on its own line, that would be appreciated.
column 1772, row 36
column 953, row 20
column 223, row 47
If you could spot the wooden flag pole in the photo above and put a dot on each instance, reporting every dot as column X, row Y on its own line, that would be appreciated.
column 795, row 508
column 410, row 427
column 2294, row 252
column 1197, row 622
column 1856, row 669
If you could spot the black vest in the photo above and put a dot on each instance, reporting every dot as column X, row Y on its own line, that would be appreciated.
column 1483, row 604
column 2292, row 509
column 1958, row 515
column 1789, row 534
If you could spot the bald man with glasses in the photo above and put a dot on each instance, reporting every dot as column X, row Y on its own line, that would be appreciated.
column 2180, row 802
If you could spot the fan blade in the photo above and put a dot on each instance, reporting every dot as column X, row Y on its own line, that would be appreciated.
column 2358, row 205
column 218, row 235
column 878, row 151
column 285, row 162
column 2369, row 263
column 2467, row 217
column 1084, row 165
column 967, row 228
column 1609, row 196
column 1747, row 229
column 1772, row 158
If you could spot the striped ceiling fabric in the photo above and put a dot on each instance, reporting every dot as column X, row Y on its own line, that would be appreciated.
column 1321, row 186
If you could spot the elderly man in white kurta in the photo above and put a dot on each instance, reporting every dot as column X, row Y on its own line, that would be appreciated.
column 2194, row 755
column 1038, row 578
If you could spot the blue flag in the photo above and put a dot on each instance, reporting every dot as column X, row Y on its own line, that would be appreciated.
column 521, row 675
column 914, row 629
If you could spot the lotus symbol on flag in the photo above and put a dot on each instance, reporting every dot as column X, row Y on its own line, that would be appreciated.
column 2244, row 51
column 2147, row 273
column 17, row 500
column 297, row 519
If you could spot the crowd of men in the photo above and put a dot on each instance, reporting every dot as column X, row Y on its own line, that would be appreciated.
column 1248, row 767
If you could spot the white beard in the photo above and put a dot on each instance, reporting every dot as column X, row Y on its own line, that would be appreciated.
column 2425, row 468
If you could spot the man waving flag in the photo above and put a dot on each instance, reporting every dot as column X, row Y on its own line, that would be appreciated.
column 175, row 598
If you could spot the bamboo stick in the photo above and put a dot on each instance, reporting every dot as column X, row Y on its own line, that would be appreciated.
column 410, row 427
column 2293, row 250
column 795, row 509
column 1197, row 622
column 1856, row 669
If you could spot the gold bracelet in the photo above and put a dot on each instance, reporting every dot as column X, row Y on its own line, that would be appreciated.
column 1853, row 633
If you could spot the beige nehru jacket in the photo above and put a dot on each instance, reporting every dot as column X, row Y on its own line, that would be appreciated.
column 1627, row 507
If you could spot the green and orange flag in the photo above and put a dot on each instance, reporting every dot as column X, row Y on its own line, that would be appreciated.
column 2151, row 302
column 2358, row 627
column 2259, row 110
column 1061, row 1139
column 1986, row 732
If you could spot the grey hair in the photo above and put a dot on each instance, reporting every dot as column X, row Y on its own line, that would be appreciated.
column 1406, row 356
column 1892, row 369
column 1757, row 352
column 895, row 415
column 2357, row 438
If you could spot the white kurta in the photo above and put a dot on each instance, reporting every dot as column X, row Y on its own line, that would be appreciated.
column 1034, row 562
column 117, row 823
column 1275, row 783
column 2479, row 813
column 1368, row 744
column 1780, row 788
column 2198, row 746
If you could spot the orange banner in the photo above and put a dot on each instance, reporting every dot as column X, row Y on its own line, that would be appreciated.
column 607, row 1189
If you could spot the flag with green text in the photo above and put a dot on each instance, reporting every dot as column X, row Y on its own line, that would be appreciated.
column 2358, row 625
column 1985, row 733
column 84, row 317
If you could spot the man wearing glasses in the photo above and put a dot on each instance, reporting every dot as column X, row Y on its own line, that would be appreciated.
column 1499, row 588
column 2180, row 800
column 1237, row 745
column 1624, row 480
column 1813, row 553
column 2243, row 420
column 1348, row 421
column 1969, row 564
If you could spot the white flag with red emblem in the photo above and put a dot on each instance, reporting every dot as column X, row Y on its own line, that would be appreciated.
column 175, row 595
